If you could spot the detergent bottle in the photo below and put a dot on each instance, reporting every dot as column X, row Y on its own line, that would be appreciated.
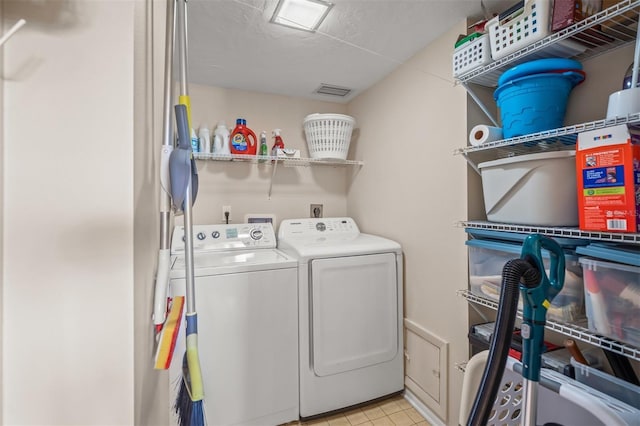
column 243, row 140
column 194, row 141
column 221, row 139
column 277, row 143
column 205, row 139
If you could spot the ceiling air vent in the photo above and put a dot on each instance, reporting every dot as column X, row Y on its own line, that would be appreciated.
column 328, row 89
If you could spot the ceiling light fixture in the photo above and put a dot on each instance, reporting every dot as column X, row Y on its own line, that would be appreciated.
column 304, row 15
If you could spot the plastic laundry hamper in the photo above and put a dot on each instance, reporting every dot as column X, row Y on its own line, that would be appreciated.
column 328, row 135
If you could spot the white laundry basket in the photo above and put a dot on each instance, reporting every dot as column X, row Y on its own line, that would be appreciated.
column 328, row 135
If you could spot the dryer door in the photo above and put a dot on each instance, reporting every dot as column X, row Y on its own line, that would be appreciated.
column 354, row 312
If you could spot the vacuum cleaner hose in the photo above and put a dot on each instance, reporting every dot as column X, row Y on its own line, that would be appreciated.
column 513, row 271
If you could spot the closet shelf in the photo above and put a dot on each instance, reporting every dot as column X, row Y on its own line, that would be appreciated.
column 560, row 139
column 621, row 30
column 570, row 330
column 269, row 160
column 617, row 237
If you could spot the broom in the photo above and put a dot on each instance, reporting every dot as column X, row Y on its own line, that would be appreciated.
column 183, row 176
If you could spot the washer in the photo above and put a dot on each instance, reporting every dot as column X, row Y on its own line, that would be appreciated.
column 350, row 313
column 247, row 303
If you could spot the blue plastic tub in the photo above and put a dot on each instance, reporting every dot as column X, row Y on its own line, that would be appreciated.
column 536, row 102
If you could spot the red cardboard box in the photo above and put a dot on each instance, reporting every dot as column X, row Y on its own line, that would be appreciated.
column 608, row 179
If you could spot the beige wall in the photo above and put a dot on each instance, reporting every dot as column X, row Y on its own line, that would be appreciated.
column 412, row 189
column 245, row 186
column 151, row 386
column 68, row 214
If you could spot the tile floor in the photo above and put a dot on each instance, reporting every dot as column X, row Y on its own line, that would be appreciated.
column 395, row 411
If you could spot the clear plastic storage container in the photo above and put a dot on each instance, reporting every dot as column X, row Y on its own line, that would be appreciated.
column 487, row 259
column 612, row 299
column 606, row 383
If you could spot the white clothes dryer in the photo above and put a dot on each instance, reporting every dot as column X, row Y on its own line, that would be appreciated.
column 247, row 303
column 350, row 313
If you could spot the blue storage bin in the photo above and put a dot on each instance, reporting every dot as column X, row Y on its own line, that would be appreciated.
column 487, row 259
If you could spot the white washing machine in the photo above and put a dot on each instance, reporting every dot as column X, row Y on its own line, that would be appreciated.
column 247, row 303
column 350, row 313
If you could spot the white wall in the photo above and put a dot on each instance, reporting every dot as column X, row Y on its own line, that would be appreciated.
column 245, row 186
column 412, row 189
column 68, row 214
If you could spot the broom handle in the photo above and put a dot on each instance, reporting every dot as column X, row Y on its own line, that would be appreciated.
column 188, row 200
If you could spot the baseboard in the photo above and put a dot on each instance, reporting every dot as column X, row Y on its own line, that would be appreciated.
column 421, row 408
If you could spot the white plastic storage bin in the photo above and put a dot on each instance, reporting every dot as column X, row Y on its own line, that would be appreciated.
column 519, row 28
column 487, row 259
column 471, row 55
column 534, row 189
column 612, row 299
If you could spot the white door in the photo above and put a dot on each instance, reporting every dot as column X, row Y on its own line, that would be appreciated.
column 354, row 312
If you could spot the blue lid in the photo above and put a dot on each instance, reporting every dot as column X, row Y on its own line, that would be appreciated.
column 614, row 252
column 539, row 66
column 238, row 121
column 506, row 247
column 574, row 77
column 519, row 237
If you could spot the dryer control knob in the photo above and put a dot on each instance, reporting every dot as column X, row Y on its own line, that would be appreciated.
column 201, row 236
column 215, row 234
column 256, row 234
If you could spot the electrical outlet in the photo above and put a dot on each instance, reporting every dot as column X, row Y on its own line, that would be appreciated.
column 225, row 210
column 315, row 210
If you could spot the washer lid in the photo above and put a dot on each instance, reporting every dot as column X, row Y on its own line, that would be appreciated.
column 233, row 262
column 338, row 246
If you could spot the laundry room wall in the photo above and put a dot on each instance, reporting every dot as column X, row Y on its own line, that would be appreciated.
column 245, row 186
column 151, row 387
column 68, row 213
column 413, row 190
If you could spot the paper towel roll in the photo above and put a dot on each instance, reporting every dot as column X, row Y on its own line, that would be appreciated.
column 483, row 133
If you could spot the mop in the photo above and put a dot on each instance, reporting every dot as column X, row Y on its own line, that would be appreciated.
column 527, row 275
column 164, row 308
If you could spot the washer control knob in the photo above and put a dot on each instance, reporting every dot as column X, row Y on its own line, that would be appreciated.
column 201, row 236
column 215, row 234
column 256, row 234
column 320, row 226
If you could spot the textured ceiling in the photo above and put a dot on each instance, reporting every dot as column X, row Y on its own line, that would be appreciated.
column 233, row 45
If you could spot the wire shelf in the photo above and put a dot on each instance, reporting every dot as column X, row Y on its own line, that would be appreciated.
column 570, row 330
column 560, row 139
column 616, row 237
column 268, row 159
column 609, row 29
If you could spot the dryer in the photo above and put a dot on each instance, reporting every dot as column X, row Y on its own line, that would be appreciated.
column 350, row 313
column 247, row 303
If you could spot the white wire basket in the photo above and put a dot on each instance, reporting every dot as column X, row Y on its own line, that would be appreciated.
column 328, row 135
column 471, row 55
column 520, row 29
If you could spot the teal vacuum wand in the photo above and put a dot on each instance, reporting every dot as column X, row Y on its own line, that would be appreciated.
column 525, row 277
column 536, row 300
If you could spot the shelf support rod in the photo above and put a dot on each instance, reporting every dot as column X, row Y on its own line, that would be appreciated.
column 482, row 106
column 273, row 174
column 472, row 164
